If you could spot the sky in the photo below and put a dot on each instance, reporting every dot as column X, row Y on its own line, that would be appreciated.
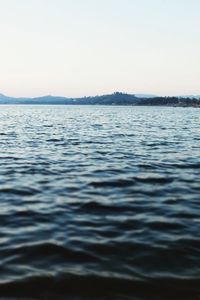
column 89, row 47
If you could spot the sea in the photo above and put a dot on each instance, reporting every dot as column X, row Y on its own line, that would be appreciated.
column 99, row 202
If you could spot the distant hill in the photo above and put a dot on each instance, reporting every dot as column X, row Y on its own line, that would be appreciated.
column 145, row 95
column 110, row 99
column 169, row 101
column 191, row 96
column 5, row 99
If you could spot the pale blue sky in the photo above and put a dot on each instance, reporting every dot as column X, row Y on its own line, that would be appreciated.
column 89, row 47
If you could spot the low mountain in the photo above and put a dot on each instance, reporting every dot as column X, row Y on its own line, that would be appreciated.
column 5, row 99
column 169, row 101
column 111, row 99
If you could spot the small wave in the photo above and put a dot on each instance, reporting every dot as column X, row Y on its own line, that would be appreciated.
column 155, row 180
column 10, row 158
column 20, row 192
column 93, row 206
column 186, row 215
column 54, row 140
column 166, row 225
column 112, row 183
column 44, row 250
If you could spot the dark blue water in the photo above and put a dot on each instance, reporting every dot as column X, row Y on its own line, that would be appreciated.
column 99, row 203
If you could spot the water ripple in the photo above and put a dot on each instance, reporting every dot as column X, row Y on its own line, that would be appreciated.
column 99, row 203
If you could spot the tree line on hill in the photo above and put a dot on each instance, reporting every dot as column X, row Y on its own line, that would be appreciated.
column 110, row 99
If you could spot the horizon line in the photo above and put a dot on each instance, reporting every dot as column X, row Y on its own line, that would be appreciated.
column 103, row 94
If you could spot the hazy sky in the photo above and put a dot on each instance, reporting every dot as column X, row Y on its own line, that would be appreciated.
column 90, row 47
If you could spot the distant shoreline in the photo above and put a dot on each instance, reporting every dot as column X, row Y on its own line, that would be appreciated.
column 116, row 99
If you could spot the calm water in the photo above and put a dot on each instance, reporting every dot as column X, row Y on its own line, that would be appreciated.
column 99, row 203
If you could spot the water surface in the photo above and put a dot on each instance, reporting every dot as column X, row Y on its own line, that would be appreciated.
column 99, row 202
